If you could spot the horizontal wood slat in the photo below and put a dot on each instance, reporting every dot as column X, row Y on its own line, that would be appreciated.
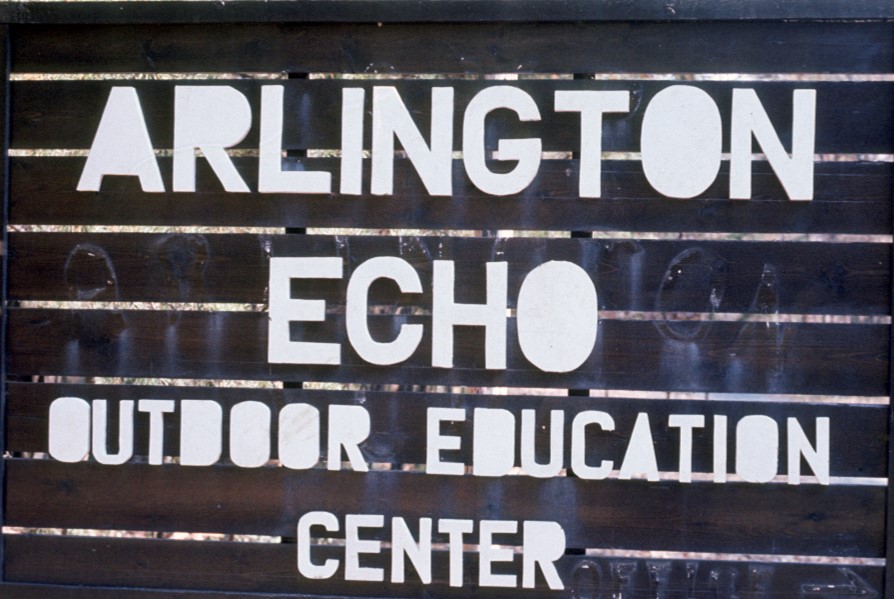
column 729, row 47
column 851, row 117
column 45, row 591
column 270, row 568
column 398, row 433
column 732, row 517
column 5, row 44
column 628, row 274
column 849, row 198
column 445, row 10
column 753, row 357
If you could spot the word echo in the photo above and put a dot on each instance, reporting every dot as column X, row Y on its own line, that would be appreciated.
column 78, row 428
column 680, row 141
column 557, row 313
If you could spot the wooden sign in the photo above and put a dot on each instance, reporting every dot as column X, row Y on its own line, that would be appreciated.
column 399, row 299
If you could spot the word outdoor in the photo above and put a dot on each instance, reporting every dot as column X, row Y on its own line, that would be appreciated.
column 681, row 140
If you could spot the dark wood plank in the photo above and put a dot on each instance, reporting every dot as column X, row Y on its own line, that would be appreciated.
column 444, row 10
column 5, row 44
column 726, row 276
column 398, row 433
column 731, row 517
column 889, row 578
column 45, row 591
column 850, row 117
column 729, row 47
column 849, row 198
column 752, row 357
column 268, row 568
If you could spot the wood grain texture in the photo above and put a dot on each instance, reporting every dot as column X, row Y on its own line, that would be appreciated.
column 754, row 357
column 849, row 198
column 270, row 568
column 628, row 274
column 727, row 47
column 4, row 270
column 701, row 517
column 889, row 522
column 398, row 433
column 445, row 10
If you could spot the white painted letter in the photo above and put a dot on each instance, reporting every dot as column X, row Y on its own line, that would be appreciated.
column 556, row 444
column 720, row 457
column 201, row 432
column 525, row 151
column 682, row 139
column 446, row 314
column 799, row 445
column 125, row 432
column 686, row 422
column 558, row 316
column 591, row 105
column 640, row 456
column 435, row 442
column 402, row 543
column 348, row 427
column 579, row 444
column 156, row 408
column 122, row 145
column 283, row 310
column 354, row 546
column 352, row 99
column 757, row 449
column 299, row 436
column 544, row 544
column 250, row 434
column 795, row 172
column 493, row 442
column 307, row 568
column 392, row 119
column 490, row 553
column 455, row 530
column 374, row 352
column 208, row 118
column 69, row 434
column 271, row 177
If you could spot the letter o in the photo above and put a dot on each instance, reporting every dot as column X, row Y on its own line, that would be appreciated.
column 558, row 316
column 757, row 449
column 69, row 434
column 681, row 141
column 250, row 434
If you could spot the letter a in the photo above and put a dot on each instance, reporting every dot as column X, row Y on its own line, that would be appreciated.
column 122, row 145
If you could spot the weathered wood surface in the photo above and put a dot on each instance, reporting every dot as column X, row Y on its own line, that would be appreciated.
column 398, row 433
column 754, row 357
column 4, row 220
column 717, row 47
column 700, row 517
column 852, row 117
column 268, row 568
column 849, row 198
column 628, row 274
column 444, row 10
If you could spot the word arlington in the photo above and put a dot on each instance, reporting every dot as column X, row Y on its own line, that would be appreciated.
column 681, row 140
